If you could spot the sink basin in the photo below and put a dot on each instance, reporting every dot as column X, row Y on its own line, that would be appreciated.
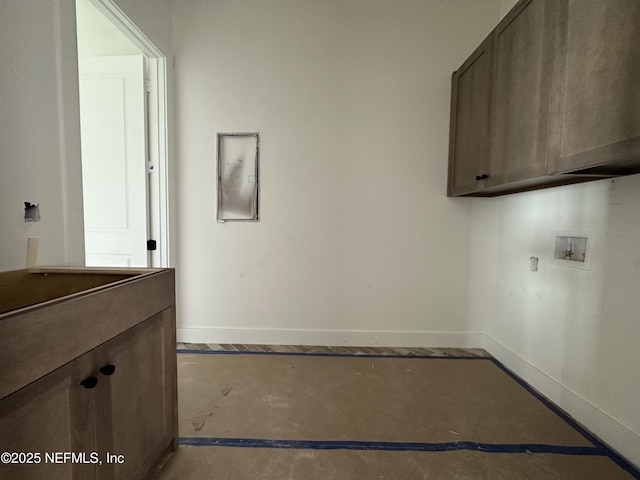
column 50, row 316
column 23, row 288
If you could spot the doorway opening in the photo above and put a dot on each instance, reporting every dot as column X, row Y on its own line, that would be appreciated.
column 123, row 117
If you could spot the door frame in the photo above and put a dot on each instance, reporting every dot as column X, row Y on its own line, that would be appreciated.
column 158, row 147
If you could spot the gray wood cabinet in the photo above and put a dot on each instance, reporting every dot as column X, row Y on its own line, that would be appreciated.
column 134, row 403
column 564, row 99
column 595, row 101
column 521, row 84
column 127, row 413
column 94, row 372
column 470, row 105
column 53, row 411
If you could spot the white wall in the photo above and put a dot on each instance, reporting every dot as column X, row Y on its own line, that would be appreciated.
column 505, row 6
column 357, row 237
column 97, row 36
column 357, row 241
column 40, row 129
column 572, row 334
column 39, row 132
column 153, row 17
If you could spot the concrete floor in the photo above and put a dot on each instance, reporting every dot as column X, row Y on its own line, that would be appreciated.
column 228, row 463
column 353, row 417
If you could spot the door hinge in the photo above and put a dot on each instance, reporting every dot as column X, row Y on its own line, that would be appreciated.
column 152, row 245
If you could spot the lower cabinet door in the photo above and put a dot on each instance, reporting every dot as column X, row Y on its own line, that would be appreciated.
column 134, row 401
column 47, row 428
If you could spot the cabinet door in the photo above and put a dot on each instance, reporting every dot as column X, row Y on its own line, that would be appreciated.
column 522, row 81
column 135, row 401
column 51, row 416
column 469, row 131
column 595, row 96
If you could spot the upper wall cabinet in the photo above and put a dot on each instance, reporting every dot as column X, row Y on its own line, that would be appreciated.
column 595, row 101
column 521, row 84
column 470, row 106
column 563, row 97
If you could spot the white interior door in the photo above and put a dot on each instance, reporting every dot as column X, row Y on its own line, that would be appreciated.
column 112, row 119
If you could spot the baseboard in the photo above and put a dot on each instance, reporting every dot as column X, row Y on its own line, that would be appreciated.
column 602, row 425
column 351, row 338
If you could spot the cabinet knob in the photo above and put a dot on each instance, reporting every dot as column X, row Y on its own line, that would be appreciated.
column 89, row 382
column 108, row 369
column 482, row 177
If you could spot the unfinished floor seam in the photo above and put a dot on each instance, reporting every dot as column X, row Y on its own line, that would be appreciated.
column 344, row 350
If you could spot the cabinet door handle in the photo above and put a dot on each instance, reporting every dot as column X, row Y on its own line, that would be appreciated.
column 482, row 177
column 89, row 382
column 108, row 370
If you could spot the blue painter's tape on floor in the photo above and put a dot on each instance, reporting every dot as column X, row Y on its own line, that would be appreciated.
column 598, row 448
column 408, row 447
column 624, row 464
column 389, row 446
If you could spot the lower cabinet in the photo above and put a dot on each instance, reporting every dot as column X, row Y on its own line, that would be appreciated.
column 50, row 416
column 109, row 414
column 134, row 399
